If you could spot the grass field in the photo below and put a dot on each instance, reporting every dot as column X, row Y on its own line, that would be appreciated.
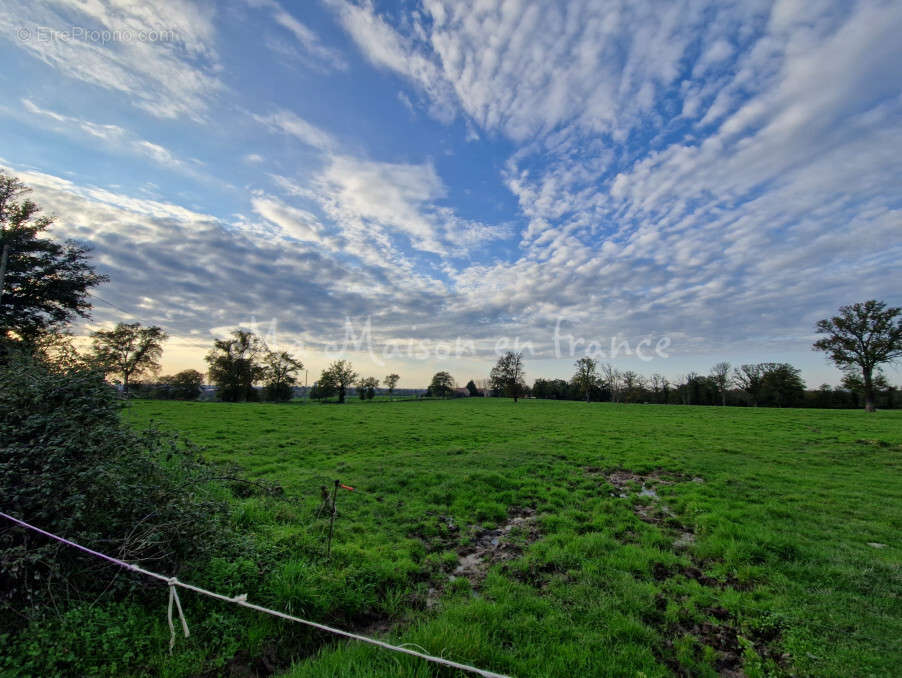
column 563, row 539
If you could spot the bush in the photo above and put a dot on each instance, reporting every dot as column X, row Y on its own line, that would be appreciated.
column 69, row 466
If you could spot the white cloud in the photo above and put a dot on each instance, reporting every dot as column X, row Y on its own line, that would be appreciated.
column 286, row 122
column 373, row 201
column 115, row 138
column 529, row 69
column 164, row 59
column 312, row 49
column 386, row 48
column 293, row 222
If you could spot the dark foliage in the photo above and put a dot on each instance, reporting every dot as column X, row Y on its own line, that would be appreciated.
column 46, row 283
column 69, row 466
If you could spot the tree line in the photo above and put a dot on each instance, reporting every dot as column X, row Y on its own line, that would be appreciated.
column 242, row 361
column 44, row 285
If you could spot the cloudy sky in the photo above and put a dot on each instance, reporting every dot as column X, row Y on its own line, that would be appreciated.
column 456, row 177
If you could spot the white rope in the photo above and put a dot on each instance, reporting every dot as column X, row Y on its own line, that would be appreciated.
column 174, row 595
column 241, row 600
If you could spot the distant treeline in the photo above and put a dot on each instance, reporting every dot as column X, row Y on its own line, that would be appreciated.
column 700, row 390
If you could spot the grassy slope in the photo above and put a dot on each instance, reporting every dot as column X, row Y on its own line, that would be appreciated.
column 782, row 521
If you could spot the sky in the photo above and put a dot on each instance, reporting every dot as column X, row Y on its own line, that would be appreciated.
column 418, row 186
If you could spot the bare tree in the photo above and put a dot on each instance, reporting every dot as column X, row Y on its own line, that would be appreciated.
column 656, row 383
column 720, row 375
column 612, row 379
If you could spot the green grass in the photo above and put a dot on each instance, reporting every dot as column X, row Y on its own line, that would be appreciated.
column 779, row 580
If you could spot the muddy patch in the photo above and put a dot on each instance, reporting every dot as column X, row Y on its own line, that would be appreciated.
column 651, row 509
column 506, row 542
column 722, row 633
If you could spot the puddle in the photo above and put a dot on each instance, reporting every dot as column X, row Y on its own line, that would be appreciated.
column 495, row 546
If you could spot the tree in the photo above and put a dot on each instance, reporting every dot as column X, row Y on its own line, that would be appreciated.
column 129, row 350
column 656, row 383
column 586, row 376
column 183, row 386
column 370, row 384
column 235, row 365
column 337, row 378
column 782, row 383
column 43, row 284
column 507, row 375
column 471, row 387
column 720, row 375
column 853, row 382
column 633, row 385
column 612, row 381
column 749, row 379
column 862, row 336
column 321, row 391
column 391, row 381
column 366, row 387
column 279, row 374
column 442, row 385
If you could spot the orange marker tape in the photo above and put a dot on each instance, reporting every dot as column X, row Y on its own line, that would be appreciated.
column 345, row 487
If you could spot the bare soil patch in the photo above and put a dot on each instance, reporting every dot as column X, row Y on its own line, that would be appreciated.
column 506, row 542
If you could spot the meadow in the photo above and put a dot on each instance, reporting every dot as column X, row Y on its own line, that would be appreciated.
column 549, row 538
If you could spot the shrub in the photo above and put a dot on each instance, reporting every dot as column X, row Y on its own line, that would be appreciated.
column 68, row 465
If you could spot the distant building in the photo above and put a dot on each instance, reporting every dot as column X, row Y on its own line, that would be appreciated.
column 461, row 393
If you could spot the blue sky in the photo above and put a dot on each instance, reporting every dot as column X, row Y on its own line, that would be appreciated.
column 469, row 174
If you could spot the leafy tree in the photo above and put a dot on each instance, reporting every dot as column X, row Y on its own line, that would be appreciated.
column 366, row 387
column 749, row 379
column 862, row 336
column 720, row 375
column 471, row 387
column 129, row 350
column 391, row 381
column 442, row 385
column 586, row 376
column 321, row 391
column 235, row 365
column 507, row 375
column 853, row 382
column 337, row 378
column 182, row 386
column 279, row 375
column 782, row 383
column 697, row 389
column 43, row 284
